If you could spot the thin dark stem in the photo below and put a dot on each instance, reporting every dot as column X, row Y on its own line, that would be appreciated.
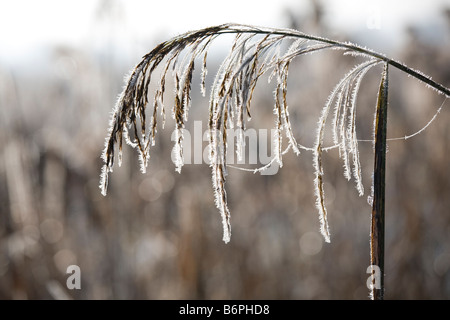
column 378, row 221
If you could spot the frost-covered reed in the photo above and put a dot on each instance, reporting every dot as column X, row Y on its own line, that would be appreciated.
column 254, row 52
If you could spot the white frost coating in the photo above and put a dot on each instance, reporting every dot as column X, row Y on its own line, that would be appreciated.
column 277, row 136
column 112, row 126
column 352, row 129
column 143, row 162
column 218, row 180
column 286, row 124
column 104, row 179
column 317, row 154
column 288, row 129
column 277, row 148
column 177, row 151
column 338, row 127
column 220, row 201
column 240, row 144
column 204, row 70
column 343, row 145
column 127, row 138
column 320, row 195
column 203, row 74
column 296, row 44
column 119, row 158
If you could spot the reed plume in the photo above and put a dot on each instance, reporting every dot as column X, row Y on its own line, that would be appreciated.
column 231, row 95
column 255, row 51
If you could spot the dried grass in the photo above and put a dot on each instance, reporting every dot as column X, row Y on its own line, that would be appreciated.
column 255, row 51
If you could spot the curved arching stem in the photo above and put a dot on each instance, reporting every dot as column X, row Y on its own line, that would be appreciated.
column 343, row 45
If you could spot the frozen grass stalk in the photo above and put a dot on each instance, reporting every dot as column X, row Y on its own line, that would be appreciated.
column 255, row 51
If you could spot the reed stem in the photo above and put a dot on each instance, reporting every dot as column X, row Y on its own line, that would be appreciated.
column 378, row 208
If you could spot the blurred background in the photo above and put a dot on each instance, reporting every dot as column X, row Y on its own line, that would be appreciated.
column 158, row 235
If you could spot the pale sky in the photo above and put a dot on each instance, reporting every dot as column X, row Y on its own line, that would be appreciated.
column 25, row 24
